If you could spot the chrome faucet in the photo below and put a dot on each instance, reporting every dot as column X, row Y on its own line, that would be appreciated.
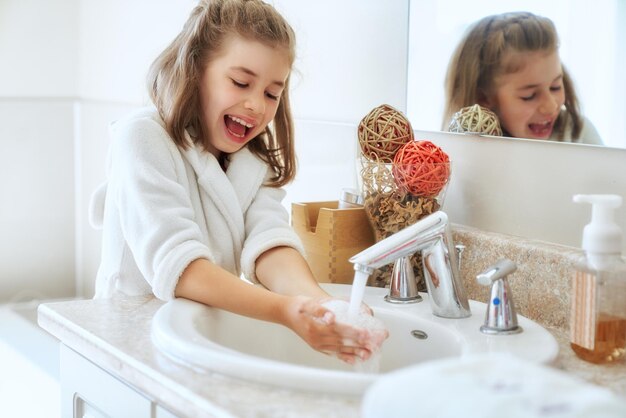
column 432, row 236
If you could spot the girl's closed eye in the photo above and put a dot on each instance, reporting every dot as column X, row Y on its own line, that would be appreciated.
column 239, row 84
column 243, row 85
column 533, row 95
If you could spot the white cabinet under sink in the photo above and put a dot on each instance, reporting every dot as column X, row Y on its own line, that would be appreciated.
column 88, row 391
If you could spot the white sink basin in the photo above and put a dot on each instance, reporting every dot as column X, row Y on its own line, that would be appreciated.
column 219, row 341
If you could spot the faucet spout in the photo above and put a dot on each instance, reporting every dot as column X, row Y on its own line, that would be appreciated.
column 400, row 244
column 432, row 236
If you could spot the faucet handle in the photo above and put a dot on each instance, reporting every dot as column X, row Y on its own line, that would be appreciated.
column 501, row 317
column 498, row 271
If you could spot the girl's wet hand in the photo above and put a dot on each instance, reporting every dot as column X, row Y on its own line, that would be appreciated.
column 316, row 325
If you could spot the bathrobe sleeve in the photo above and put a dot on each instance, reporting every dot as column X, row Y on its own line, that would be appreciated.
column 156, row 215
column 267, row 226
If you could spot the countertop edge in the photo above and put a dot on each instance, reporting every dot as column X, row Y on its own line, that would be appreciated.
column 135, row 373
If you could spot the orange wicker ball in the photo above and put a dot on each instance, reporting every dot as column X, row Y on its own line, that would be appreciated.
column 421, row 168
column 382, row 132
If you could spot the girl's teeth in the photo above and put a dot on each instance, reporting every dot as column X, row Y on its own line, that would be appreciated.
column 541, row 124
column 241, row 121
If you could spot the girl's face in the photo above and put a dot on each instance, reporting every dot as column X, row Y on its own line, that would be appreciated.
column 529, row 100
column 240, row 90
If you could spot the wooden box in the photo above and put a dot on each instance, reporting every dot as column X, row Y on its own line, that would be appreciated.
column 330, row 237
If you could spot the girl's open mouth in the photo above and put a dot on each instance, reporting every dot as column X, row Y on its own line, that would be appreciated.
column 541, row 130
column 237, row 127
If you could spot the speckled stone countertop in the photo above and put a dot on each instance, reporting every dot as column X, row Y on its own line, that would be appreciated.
column 115, row 335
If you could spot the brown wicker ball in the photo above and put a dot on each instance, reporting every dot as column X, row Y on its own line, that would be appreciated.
column 475, row 119
column 382, row 132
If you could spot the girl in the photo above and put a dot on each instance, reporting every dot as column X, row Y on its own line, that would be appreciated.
column 193, row 197
column 509, row 63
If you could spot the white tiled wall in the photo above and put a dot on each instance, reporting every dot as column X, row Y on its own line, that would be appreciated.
column 36, row 199
column 38, row 84
column 39, row 48
column 325, row 151
column 352, row 56
column 119, row 39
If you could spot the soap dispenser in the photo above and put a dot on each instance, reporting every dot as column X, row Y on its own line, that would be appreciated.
column 598, row 303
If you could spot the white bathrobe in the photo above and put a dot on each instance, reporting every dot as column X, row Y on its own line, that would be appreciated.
column 163, row 207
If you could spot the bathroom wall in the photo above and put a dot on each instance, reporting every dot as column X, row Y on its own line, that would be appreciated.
column 119, row 40
column 36, row 198
column 38, row 41
column 352, row 56
column 37, row 86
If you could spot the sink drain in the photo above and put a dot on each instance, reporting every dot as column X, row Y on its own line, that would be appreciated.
column 419, row 334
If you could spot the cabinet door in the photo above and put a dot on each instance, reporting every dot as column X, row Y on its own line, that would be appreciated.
column 87, row 391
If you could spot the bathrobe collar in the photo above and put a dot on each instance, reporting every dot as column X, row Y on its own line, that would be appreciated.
column 231, row 191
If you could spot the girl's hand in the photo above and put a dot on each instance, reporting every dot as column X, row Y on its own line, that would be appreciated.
column 316, row 325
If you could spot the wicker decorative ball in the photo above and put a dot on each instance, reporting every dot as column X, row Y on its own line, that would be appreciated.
column 475, row 119
column 421, row 168
column 382, row 132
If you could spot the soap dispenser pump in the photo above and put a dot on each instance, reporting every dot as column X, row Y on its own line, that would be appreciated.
column 598, row 307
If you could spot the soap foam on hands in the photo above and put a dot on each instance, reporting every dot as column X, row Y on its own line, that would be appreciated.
column 352, row 313
column 377, row 332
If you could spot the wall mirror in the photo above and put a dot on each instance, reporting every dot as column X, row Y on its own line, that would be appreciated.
column 592, row 48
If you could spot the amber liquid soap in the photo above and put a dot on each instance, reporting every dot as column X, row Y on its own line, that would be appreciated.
column 610, row 340
column 598, row 321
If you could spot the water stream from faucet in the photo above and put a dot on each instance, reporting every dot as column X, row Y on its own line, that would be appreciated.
column 356, row 295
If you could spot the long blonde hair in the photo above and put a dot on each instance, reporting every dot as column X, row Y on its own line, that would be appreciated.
column 174, row 77
column 478, row 60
